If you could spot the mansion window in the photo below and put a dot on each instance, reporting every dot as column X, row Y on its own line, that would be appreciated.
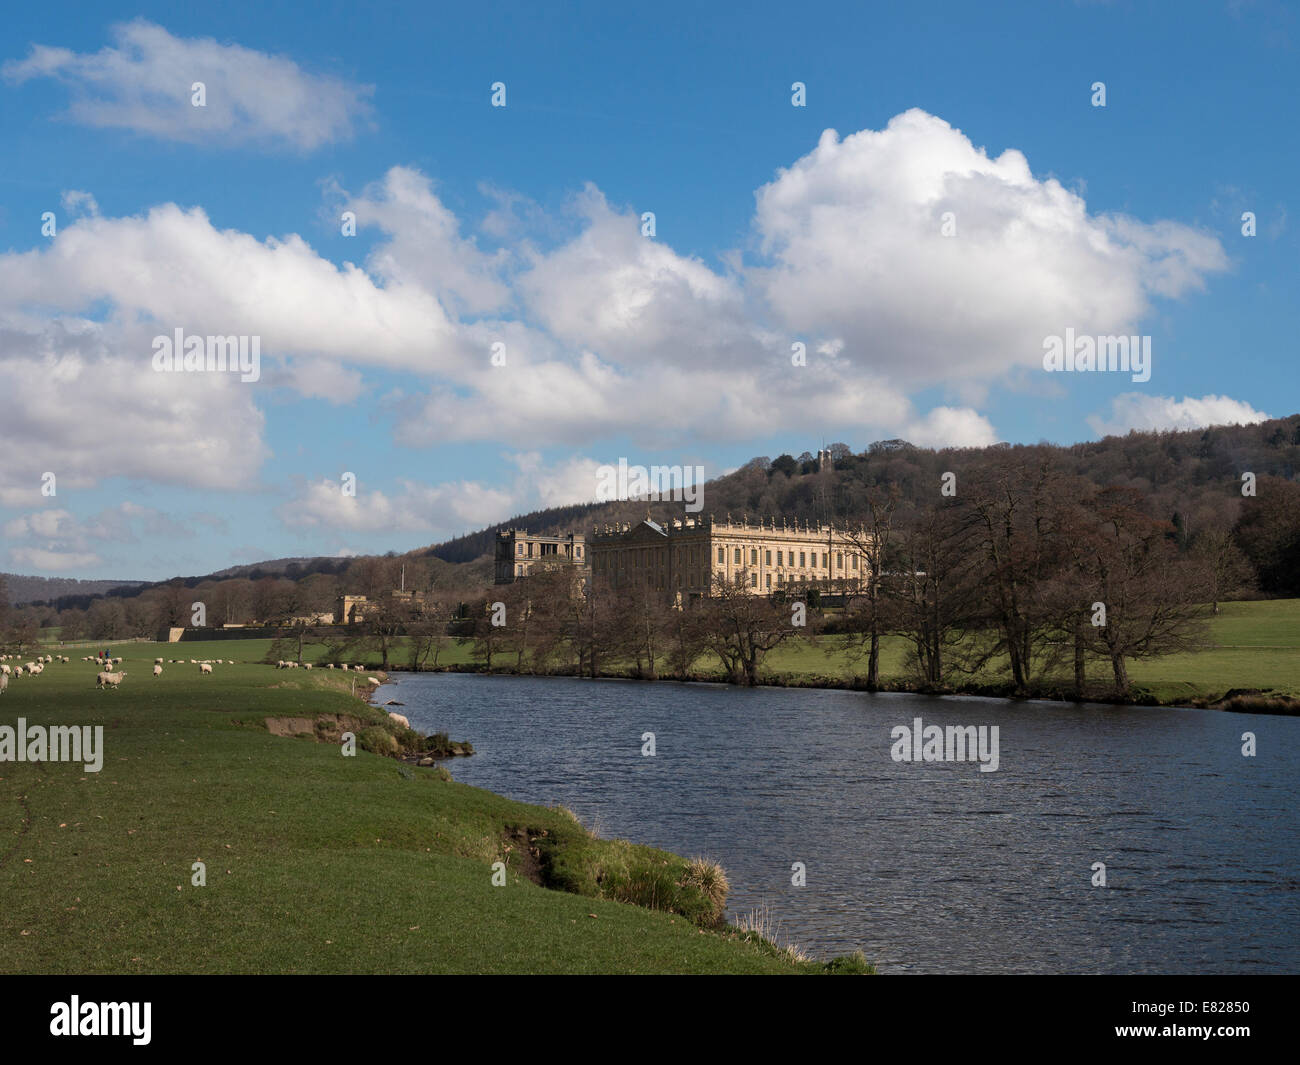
column 753, row 580
column 722, row 555
column 737, row 556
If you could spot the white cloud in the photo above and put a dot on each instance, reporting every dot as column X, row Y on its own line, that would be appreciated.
column 853, row 234
column 447, row 508
column 83, row 403
column 424, row 246
column 29, row 558
column 142, row 82
column 1136, row 410
column 951, row 427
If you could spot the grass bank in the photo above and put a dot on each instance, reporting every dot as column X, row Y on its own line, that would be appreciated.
column 315, row 862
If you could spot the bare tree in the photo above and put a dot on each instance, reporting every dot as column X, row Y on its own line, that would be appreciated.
column 742, row 627
column 1153, row 603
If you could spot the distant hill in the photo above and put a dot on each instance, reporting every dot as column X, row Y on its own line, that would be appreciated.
column 45, row 589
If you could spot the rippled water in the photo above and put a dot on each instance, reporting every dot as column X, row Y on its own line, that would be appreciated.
column 931, row 867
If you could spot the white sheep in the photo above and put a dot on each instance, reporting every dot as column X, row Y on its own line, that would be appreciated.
column 109, row 680
column 4, row 681
column 157, row 661
column 400, row 719
column 204, row 668
column 157, row 670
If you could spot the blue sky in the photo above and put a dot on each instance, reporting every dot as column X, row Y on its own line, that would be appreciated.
column 522, row 224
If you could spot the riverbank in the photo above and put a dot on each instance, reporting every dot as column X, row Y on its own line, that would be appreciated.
column 1251, row 666
column 207, row 844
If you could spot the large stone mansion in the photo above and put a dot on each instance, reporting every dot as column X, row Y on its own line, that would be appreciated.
column 519, row 552
column 682, row 556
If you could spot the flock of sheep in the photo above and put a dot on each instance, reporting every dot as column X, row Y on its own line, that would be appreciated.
column 33, row 668
column 111, row 678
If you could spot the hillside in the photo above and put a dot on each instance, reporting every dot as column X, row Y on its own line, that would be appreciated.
column 1188, row 477
column 24, row 589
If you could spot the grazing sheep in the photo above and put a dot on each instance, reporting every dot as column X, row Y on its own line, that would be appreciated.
column 4, row 681
column 5, row 670
column 307, row 666
column 109, row 680
column 373, row 680
column 157, row 661
column 400, row 719
column 330, row 666
column 157, row 670
column 204, row 668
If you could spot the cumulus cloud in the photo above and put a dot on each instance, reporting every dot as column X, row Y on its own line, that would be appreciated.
column 142, row 82
column 423, row 245
column 83, row 403
column 1136, row 410
column 853, row 235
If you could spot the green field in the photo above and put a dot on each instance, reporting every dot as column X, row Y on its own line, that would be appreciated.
column 1253, row 645
column 316, row 863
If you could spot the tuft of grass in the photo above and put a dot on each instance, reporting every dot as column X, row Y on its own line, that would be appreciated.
column 710, row 879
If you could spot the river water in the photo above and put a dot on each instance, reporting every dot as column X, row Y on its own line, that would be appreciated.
column 924, row 866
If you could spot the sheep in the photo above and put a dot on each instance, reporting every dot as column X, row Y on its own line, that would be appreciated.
column 4, row 682
column 109, row 680
column 373, row 680
column 204, row 668
column 400, row 719
column 157, row 661
column 157, row 670
column 330, row 666
column 5, row 670
column 307, row 666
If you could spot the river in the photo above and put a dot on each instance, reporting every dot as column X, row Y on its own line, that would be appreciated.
column 927, row 867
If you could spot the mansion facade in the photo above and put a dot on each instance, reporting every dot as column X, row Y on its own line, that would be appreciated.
column 518, row 553
column 684, row 555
